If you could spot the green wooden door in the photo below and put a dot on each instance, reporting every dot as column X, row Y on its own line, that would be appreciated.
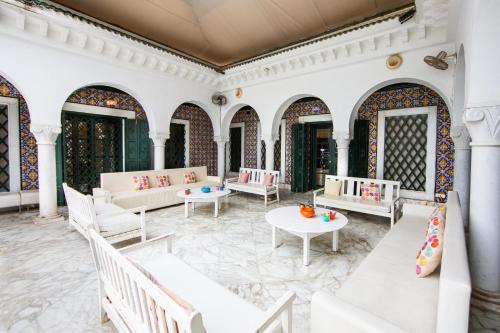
column 332, row 161
column 358, row 150
column 137, row 146
column 301, row 158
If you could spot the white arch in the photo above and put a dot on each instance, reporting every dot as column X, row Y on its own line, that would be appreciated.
column 369, row 92
column 228, row 117
column 214, row 118
column 16, row 85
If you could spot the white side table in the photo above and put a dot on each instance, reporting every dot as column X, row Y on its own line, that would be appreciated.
column 197, row 195
column 290, row 220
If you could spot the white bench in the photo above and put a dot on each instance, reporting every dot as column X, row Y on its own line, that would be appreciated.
column 114, row 223
column 385, row 295
column 350, row 196
column 193, row 303
column 255, row 184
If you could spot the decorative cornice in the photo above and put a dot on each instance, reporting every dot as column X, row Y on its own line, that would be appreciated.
column 159, row 138
column 45, row 134
column 461, row 137
column 483, row 124
column 342, row 139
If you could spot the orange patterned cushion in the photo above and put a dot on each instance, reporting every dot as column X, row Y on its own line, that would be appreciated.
column 163, row 181
column 189, row 178
column 370, row 192
column 140, row 182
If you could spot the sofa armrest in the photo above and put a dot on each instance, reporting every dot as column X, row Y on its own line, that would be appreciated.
column 140, row 209
column 168, row 237
column 331, row 314
column 232, row 180
column 100, row 195
column 215, row 179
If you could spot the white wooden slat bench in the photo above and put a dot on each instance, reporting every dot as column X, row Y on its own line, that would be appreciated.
column 114, row 223
column 175, row 298
column 350, row 196
column 255, row 184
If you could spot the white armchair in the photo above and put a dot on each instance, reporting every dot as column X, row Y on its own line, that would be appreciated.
column 113, row 223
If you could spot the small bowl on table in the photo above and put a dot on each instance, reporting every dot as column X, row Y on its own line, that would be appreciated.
column 205, row 189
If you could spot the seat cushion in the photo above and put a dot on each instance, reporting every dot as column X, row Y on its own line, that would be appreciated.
column 106, row 208
column 243, row 187
column 221, row 310
column 118, row 224
column 354, row 203
column 385, row 283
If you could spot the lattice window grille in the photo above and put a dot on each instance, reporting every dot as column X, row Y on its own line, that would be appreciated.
column 4, row 149
column 277, row 152
column 405, row 151
column 262, row 154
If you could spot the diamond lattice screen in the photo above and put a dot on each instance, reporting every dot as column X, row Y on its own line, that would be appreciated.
column 405, row 150
column 277, row 152
column 262, row 154
column 4, row 149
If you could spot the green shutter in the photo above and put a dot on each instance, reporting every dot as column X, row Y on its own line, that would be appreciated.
column 298, row 158
column 136, row 145
column 59, row 171
column 332, row 163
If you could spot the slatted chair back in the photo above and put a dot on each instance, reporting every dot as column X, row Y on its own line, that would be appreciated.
column 257, row 175
column 80, row 208
column 351, row 186
column 132, row 301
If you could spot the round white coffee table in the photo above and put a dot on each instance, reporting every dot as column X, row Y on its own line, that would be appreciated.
column 290, row 220
column 197, row 195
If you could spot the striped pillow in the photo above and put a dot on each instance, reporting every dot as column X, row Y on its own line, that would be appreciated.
column 162, row 181
column 140, row 182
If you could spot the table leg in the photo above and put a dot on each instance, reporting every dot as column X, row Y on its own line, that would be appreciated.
column 193, row 206
column 307, row 243
column 275, row 241
column 186, row 209
column 216, row 204
column 335, row 241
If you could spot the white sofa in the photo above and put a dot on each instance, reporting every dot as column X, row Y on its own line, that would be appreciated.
column 350, row 197
column 120, row 188
column 384, row 294
column 181, row 300
column 255, row 184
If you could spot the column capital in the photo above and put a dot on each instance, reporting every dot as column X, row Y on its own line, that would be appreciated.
column 269, row 138
column 45, row 134
column 342, row 138
column 220, row 139
column 159, row 138
column 483, row 124
column 460, row 136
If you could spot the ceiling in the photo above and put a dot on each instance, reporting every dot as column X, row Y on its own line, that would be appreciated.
column 224, row 32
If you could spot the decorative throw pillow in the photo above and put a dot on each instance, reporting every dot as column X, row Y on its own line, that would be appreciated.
column 332, row 187
column 163, row 181
column 370, row 192
column 243, row 178
column 189, row 177
column 437, row 219
column 429, row 256
column 268, row 180
column 140, row 182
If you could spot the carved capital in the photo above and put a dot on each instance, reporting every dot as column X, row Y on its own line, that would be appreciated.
column 483, row 124
column 45, row 134
column 460, row 136
column 342, row 139
column 221, row 139
column 159, row 138
column 269, row 139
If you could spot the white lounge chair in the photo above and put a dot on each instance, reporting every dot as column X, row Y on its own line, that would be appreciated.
column 114, row 223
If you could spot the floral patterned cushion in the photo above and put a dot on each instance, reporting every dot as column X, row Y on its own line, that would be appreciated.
column 140, row 182
column 429, row 256
column 437, row 218
column 370, row 192
column 189, row 178
column 163, row 181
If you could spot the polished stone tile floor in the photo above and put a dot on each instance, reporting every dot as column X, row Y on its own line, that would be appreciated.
column 48, row 282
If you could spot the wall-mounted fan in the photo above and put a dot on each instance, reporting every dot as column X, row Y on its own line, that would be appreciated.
column 439, row 61
column 220, row 100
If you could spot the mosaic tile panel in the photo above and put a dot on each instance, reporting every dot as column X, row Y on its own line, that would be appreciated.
column 202, row 147
column 418, row 96
column 292, row 114
column 28, row 148
column 251, row 120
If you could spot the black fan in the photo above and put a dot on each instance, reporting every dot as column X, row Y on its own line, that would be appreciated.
column 219, row 99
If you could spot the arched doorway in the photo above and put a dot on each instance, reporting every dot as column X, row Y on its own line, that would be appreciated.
column 104, row 129
column 18, row 149
column 310, row 152
column 191, row 141
column 244, row 148
column 409, row 139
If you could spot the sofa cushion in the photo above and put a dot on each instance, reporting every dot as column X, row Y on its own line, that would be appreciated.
column 370, row 192
column 243, row 177
column 118, row 224
column 268, row 179
column 189, row 178
column 162, row 180
column 237, row 186
column 354, row 203
column 385, row 283
column 332, row 187
column 106, row 208
column 221, row 310
column 140, row 182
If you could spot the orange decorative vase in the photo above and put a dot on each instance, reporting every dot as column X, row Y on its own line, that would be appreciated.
column 307, row 211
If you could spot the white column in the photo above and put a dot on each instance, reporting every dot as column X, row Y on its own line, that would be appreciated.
column 461, row 169
column 46, row 136
column 483, row 124
column 342, row 139
column 221, row 153
column 159, row 139
column 269, row 141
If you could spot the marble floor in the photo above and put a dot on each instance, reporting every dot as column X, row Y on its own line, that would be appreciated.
column 48, row 282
